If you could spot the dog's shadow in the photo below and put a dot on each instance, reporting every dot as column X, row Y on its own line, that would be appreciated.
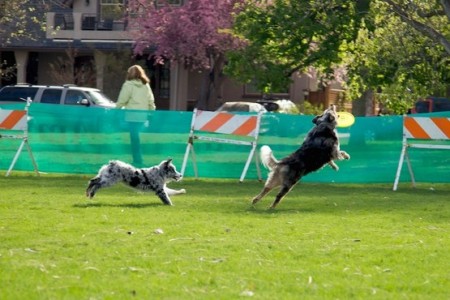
column 123, row 205
column 266, row 210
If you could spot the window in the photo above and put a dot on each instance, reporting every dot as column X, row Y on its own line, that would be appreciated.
column 17, row 94
column 74, row 97
column 111, row 9
column 99, row 98
column 51, row 96
column 164, row 83
column 170, row 2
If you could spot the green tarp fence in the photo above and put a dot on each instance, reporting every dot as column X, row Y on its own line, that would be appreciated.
column 78, row 140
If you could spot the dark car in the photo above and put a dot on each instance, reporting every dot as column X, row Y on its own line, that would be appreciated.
column 431, row 104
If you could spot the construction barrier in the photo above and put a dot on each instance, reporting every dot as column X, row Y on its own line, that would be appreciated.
column 12, row 121
column 228, row 124
column 74, row 139
column 432, row 132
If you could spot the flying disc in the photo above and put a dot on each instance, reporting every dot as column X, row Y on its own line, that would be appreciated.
column 345, row 119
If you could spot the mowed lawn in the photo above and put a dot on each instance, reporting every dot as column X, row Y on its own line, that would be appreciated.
column 324, row 241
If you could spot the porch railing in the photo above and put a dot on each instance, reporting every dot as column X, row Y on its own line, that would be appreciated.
column 86, row 26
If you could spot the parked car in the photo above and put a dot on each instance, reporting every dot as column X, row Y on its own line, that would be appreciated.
column 55, row 94
column 242, row 106
column 431, row 104
column 281, row 106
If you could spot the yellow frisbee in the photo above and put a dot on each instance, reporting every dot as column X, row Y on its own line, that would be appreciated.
column 345, row 119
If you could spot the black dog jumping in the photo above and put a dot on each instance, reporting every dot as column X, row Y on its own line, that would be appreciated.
column 321, row 146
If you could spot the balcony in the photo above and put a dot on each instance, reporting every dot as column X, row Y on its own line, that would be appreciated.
column 86, row 28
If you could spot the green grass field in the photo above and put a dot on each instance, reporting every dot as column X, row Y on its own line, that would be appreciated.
column 324, row 241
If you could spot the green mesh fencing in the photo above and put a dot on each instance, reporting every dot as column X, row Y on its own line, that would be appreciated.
column 72, row 139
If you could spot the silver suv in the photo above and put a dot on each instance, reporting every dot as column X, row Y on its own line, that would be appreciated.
column 55, row 94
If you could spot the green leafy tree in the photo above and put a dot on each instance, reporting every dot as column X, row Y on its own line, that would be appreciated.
column 400, row 49
column 395, row 63
column 286, row 36
column 428, row 17
column 16, row 18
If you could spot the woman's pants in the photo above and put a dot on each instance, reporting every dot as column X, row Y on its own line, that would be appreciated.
column 135, row 140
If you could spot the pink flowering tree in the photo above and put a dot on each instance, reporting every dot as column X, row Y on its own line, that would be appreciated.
column 196, row 34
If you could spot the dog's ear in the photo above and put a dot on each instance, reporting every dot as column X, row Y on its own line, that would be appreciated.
column 165, row 163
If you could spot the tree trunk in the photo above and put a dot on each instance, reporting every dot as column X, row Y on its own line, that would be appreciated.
column 361, row 107
column 211, row 86
column 204, row 96
column 364, row 106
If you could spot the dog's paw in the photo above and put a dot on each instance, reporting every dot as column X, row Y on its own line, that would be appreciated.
column 345, row 155
column 334, row 166
column 172, row 192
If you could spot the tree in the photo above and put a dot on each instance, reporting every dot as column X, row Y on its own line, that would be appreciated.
column 430, row 18
column 12, row 20
column 286, row 36
column 401, row 50
column 195, row 34
column 63, row 71
column 15, row 19
column 392, row 58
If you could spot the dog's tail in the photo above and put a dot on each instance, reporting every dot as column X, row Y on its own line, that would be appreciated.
column 268, row 160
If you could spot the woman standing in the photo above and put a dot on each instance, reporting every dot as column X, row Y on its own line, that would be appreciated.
column 136, row 94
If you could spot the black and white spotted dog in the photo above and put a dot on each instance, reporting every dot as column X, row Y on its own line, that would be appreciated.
column 320, row 147
column 144, row 179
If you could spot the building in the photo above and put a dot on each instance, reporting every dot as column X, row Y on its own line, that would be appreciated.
column 89, row 42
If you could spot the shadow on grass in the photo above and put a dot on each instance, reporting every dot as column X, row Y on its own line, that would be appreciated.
column 232, row 197
column 264, row 209
column 123, row 205
column 308, row 198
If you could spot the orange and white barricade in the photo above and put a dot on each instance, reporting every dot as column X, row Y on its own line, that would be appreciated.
column 422, row 129
column 227, row 124
column 12, row 121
